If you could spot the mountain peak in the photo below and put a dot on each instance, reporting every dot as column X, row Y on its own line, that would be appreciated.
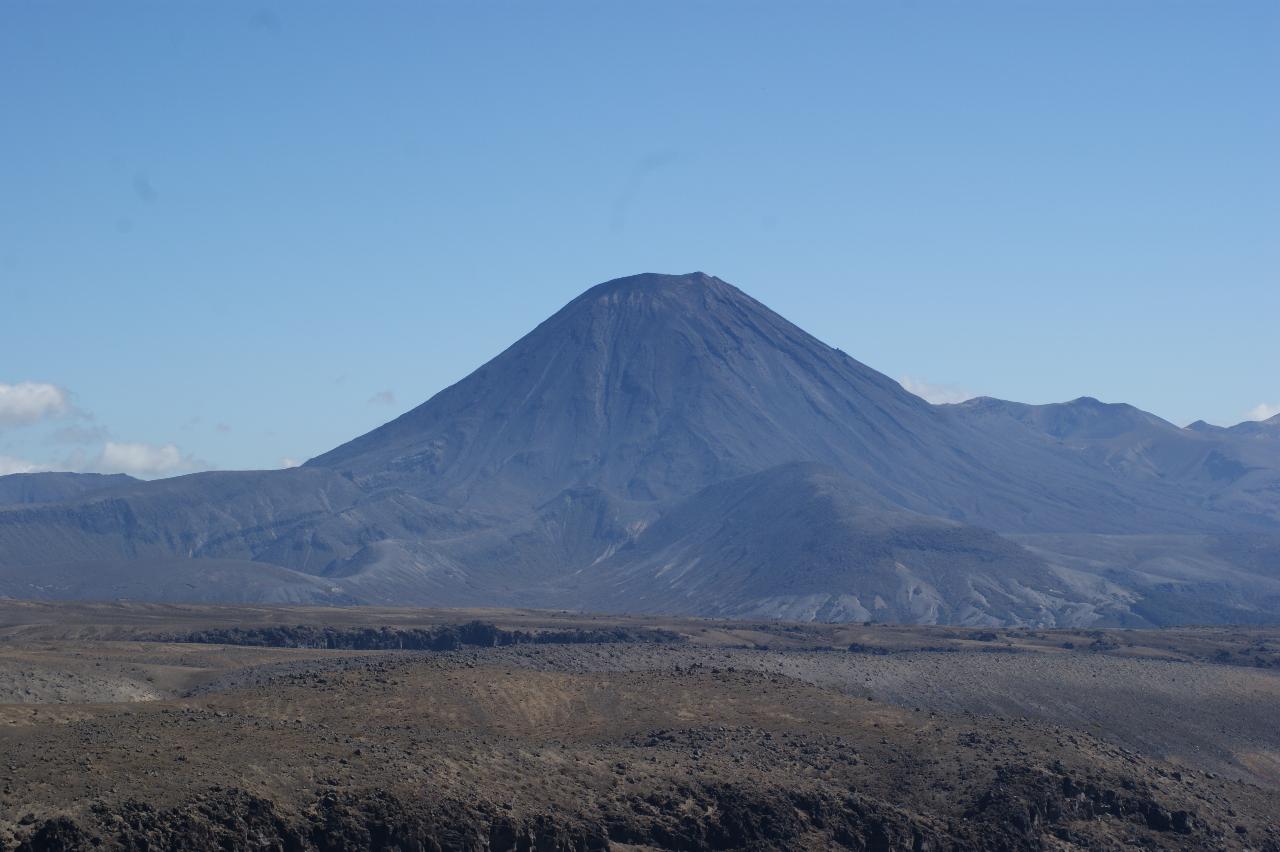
column 648, row 286
column 1082, row 417
column 655, row 281
column 649, row 386
column 1204, row 427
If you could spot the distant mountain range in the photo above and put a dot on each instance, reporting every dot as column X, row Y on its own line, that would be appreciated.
column 668, row 444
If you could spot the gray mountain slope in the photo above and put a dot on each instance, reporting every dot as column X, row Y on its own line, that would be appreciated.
column 797, row 541
column 309, row 519
column 801, row 541
column 169, row 579
column 654, row 387
column 648, row 387
column 51, row 487
column 1233, row 472
column 673, row 420
column 1174, row 579
column 1270, row 426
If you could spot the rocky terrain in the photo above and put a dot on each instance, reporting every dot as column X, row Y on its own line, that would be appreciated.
column 569, row 731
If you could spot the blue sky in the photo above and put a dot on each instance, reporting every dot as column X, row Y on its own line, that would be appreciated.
column 234, row 234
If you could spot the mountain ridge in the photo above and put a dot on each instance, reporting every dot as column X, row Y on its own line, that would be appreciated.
column 592, row 462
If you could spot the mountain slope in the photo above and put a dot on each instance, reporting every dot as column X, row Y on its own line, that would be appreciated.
column 667, row 443
column 801, row 542
column 51, row 487
column 170, row 579
column 649, row 387
column 1231, row 472
column 655, row 386
column 309, row 520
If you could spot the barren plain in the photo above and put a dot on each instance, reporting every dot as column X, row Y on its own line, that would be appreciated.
column 129, row 726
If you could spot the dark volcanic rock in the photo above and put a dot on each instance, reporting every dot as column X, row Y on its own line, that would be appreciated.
column 1017, row 813
column 448, row 637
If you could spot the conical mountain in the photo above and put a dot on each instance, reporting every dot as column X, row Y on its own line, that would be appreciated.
column 654, row 386
column 666, row 443
column 650, row 387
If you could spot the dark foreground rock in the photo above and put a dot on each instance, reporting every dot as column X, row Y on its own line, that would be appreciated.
column 1025, row 810
column 446, row 637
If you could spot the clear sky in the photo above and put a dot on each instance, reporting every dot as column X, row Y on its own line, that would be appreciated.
column 233, row 235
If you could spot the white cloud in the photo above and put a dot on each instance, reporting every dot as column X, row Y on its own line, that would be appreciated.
column 145, row 460
column 385, row 397
column 937, row 394
column 26, row 403
column 289, row 462
column 1263, row 411
column 9, row 464
column 31, row 402
column 148, row 461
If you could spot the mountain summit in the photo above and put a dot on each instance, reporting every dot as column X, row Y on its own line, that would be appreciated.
column 650, row 387
column 666, row 443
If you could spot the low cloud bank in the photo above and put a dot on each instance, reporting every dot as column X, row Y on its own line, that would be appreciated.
column 1263, row 411
column 144, row 460
column 935, row 393
column 27, row 404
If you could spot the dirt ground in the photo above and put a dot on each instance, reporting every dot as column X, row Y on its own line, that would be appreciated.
column 732, row 736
